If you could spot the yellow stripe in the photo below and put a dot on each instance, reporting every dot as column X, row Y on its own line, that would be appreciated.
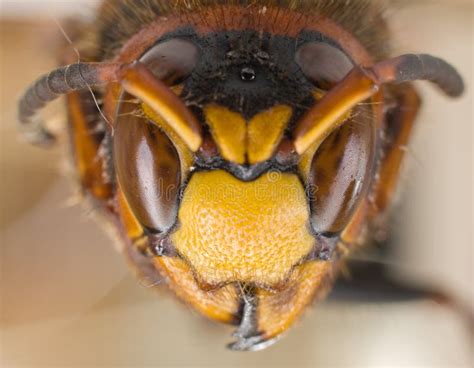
column 239, row 141
column 229, row 131
column 265, row 132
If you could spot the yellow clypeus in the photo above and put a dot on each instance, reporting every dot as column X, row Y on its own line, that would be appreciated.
column 255, row 232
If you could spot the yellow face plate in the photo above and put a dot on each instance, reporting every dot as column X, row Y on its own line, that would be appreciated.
column 253, row 232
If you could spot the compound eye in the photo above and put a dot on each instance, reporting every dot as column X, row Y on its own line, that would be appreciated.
column 148, row 169
column 339, row 176
column 323, row 64
column 172, row 61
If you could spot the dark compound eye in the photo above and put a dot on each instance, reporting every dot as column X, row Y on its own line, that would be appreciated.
column 247, row 74
column 148, row 169
column 172, row 61
column 340, row 172
column 323, row 64
column 147, row 163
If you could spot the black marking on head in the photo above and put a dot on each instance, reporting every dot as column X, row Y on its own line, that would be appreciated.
column 245, row 172
column 247, row 71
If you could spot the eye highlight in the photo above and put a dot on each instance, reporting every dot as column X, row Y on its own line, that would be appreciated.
column 171, row 61
column 323, row 64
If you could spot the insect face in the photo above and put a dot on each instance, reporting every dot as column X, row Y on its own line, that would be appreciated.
column 244, row 164
column 244, row 211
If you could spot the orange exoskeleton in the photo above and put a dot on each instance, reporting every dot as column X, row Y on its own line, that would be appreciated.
column 242, row 148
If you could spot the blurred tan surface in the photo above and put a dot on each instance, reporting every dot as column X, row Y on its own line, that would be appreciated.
column 68, row 299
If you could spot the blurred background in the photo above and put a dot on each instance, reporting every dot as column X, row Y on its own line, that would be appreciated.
column 68, row 299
